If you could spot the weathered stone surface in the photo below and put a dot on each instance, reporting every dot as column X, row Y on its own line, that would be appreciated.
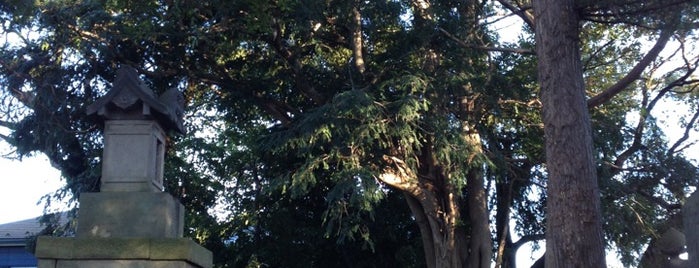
column 690, row 212
column 65, row 252
column 130, row 214
column 131, row 222
column 172, row 249
column 134, row 152
column 130, row 98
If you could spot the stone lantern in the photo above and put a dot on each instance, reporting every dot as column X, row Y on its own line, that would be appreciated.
column 134, row 133
column 131, row 222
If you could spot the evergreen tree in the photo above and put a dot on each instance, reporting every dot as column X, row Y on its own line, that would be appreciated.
column 390, row 132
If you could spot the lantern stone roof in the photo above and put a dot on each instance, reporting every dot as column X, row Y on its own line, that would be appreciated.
column 131, row 99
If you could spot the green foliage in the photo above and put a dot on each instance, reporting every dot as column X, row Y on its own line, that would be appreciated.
column 287, row 135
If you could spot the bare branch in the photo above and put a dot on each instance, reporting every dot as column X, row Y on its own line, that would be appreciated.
column 681, row 81
column 523, row 12
column 7, row 124
column 645, row 113
column 526, row 239
column 6, row 138
column 685, row 135
column 635, row 72
column 636, row 144
column 586, row 64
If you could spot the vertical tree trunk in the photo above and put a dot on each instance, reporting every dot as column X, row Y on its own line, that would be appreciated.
column 480, row 243
column 690, row 213
column 437, row 217
column 574, row 231
column 436, row 205
column 505, row 253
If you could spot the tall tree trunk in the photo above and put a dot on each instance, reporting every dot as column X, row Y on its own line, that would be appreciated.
column 434, row 199
column 505, row 253
column 480, row 243
column 574, row 231
column 690, row 213
column 436, row 205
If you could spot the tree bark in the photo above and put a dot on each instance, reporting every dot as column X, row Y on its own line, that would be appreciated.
column 436, row 205
column 434, row 199
column 690, row 213
column 505, row 256
column 480, row 243
column 357, row 40
column 574, row 231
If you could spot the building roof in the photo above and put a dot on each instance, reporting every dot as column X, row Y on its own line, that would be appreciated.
column 16, row 233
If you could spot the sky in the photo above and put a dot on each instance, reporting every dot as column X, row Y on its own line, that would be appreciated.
column 22, row 184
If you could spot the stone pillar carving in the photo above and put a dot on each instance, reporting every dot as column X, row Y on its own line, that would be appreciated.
column 131, row 222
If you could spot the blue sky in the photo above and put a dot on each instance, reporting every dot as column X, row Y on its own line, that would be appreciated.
column 22, row 184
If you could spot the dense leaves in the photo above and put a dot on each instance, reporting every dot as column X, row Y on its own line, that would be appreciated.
column 355, row 133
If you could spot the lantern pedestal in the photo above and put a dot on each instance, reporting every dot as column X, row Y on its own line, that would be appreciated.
column 131, row 222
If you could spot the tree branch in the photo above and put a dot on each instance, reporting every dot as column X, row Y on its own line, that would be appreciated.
column 7, row 124
column 659, row 201
column 593, row 55
column 24, row 97
column 291, row 58
column 357, row 41
column 425, row 231
column 276, row 109
column 637, row 135
column 645, row 113
column 400, row 176
column 526, row 239
column 6, row 138
column 635, row 72
column 496, row 49
column 611, row 9
column 522, row 12
column 685, row 135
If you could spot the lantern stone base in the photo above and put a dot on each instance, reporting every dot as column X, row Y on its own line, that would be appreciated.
column 67, row 252
column 130, row 214
column 125, row 230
